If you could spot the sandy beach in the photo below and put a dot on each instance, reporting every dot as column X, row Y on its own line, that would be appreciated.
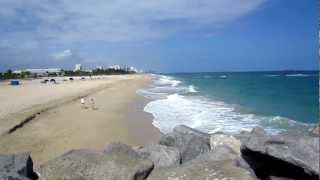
column 62, row 123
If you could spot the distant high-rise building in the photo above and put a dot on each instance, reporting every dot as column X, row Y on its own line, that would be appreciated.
column 99, row 67
column 133, row 69
column 115, row 67
column 78, row 67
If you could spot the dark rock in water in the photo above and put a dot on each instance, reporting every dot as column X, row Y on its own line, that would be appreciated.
column 221, row 163
column 96, row 165
column 160, row 155
column 17, row 167
column 316, row 130
column 283, row 155
column 190, row 142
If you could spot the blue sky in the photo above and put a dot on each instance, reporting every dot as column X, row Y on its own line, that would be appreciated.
column 161, row 35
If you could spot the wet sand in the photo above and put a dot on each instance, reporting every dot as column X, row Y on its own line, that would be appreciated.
column 117, row 116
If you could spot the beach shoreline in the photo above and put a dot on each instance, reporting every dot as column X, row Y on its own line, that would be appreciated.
column 118, row 116
column 138, row 118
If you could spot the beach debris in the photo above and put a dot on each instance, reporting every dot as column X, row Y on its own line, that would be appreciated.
column 91, row 164
column 284, row 155
column 160, row 155
column 17, row 166
column 190, row 142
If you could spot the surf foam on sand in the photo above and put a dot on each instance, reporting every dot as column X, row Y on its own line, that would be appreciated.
column 175, row 103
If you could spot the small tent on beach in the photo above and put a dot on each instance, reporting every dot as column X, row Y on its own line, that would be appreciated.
column 14, row 82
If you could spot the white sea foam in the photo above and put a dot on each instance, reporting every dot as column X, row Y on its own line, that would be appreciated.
column 192, row 89
column 171, row 108
column 166, row 80
column 271, row 75
column 297, row 75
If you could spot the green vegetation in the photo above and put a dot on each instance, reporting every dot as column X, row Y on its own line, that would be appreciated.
column 97, row 72
column 111, row 72
column 10, row 75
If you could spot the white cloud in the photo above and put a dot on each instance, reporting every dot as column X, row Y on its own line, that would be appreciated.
column 73, row 21
column 62, row 55
column 30, row 30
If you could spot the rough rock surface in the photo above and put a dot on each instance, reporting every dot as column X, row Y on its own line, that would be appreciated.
column 121, row 148
column 283, row 155
column 114, row 164
column 189, row 142
column 17, row 166
column 228, row 140
column 316, row 130
column 160, row 155
column 221, row 163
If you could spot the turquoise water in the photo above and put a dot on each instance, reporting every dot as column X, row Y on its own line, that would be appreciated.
column 293, row 96
column 231, row 102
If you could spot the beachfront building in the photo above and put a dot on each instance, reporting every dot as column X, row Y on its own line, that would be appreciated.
column 125, row 68
column 78, row 67
column 115, row 67
column 99, row 67
column 133, row 69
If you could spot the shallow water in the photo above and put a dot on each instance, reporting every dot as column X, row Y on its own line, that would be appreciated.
column 232, row 102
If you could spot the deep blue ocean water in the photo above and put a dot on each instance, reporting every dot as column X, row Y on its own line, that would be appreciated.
column 232, row 102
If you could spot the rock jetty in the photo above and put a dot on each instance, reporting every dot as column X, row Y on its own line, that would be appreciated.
column 183, row 154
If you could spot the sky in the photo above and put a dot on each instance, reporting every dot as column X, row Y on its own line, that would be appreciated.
column 160, row 35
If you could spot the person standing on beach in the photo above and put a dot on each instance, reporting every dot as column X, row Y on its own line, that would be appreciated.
column 83, row 103
column 93, row 104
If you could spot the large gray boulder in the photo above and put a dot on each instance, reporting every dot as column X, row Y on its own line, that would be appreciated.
column 160, row 155
column 315, row 131
column 284, row 155
column 16, row 167
column 121, row 148
column 217, row 140
column 221, row 163
column 188, row 141
column 114, row 164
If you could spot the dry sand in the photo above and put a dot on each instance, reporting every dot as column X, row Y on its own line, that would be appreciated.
column 66, row 125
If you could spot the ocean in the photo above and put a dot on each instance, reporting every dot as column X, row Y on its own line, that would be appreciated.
column 233, row 102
